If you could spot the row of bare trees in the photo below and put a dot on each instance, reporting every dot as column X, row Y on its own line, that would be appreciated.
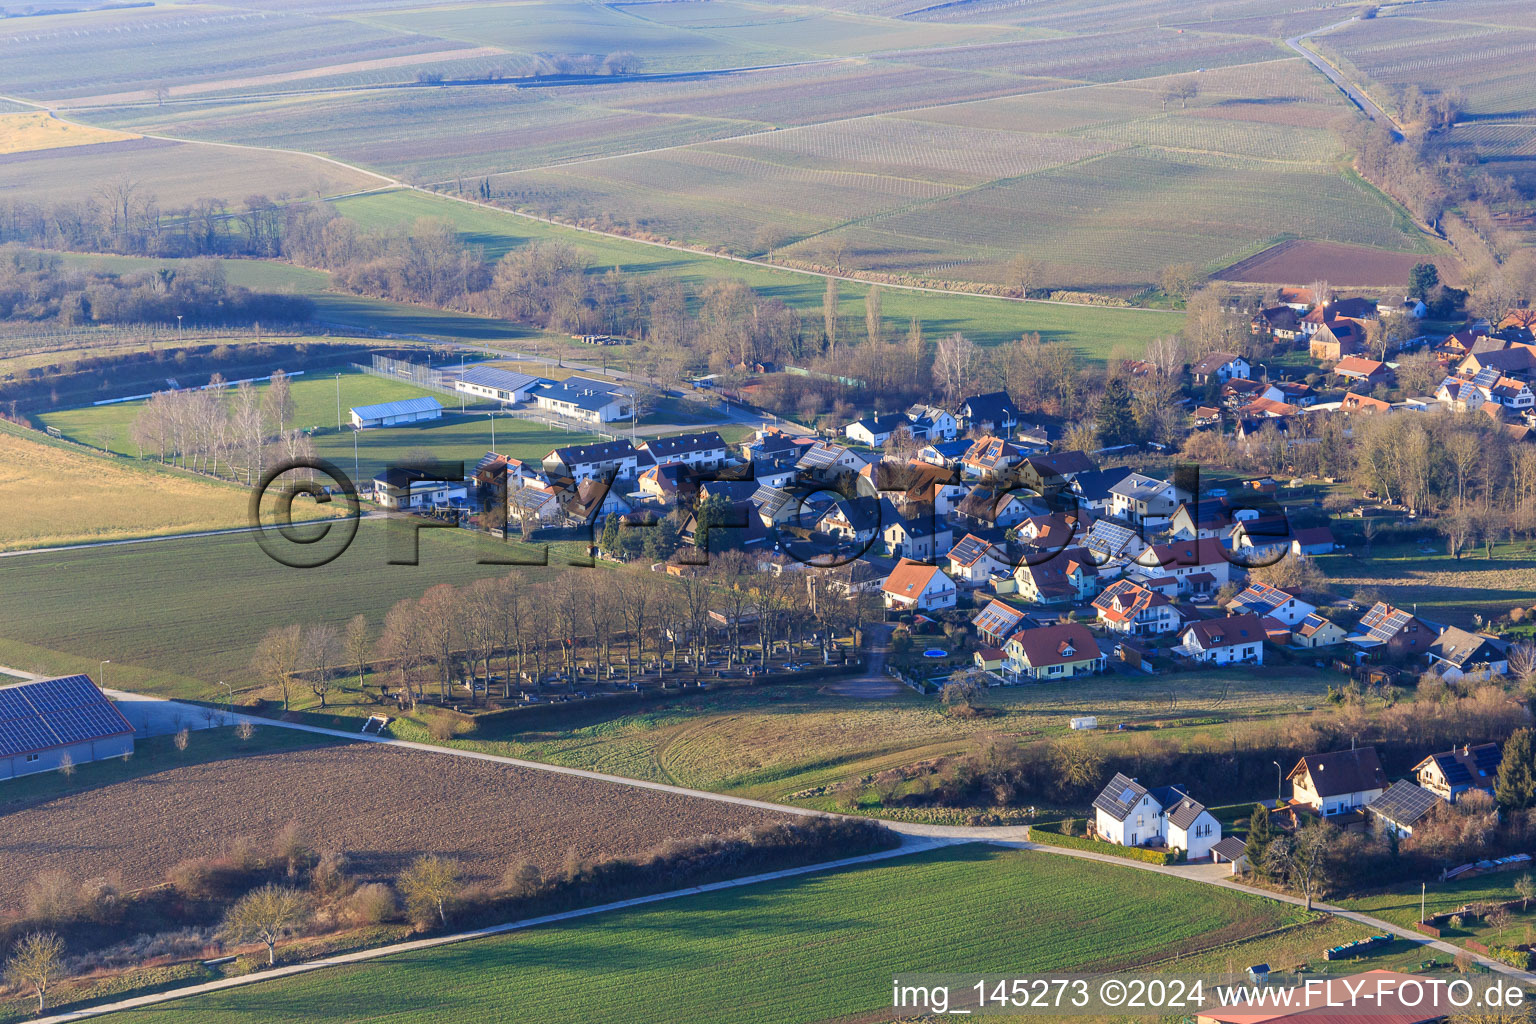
column 241, row 429
column 622, row 621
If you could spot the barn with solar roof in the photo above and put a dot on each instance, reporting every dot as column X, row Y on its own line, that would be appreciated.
column 51, row 722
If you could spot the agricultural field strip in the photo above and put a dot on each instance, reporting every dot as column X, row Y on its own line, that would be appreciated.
column 909, row 847
column 769, row 130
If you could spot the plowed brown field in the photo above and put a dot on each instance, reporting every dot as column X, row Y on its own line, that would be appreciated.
column 380, row 805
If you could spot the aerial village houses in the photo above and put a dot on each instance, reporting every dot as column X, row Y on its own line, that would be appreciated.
column 913, row 586
column 1233, row 640
column 1337, row 783
column 1456, row 654
column 1220, row 367
column 1401, row 808
column 1456, row 772
column 706, row 450
column 605, row 460
column 992, row 413
column 1127, row 813
column 1126, row 607
column 1062, row 651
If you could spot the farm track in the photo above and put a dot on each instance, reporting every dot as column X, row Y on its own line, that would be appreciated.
column 915, row 836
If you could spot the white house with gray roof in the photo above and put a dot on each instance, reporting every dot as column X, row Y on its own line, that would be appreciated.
column 1127, row 813
column 581, row 398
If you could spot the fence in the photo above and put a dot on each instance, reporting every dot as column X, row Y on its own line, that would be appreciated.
column 435, row 380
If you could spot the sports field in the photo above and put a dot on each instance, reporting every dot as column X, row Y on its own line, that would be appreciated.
column 804, row 949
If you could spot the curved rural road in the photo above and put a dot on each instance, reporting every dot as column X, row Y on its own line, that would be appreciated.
column 916, row 837
column 1357, row 95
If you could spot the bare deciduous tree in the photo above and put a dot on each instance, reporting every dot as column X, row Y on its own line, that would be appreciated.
column 38, row 961
column 266, row 915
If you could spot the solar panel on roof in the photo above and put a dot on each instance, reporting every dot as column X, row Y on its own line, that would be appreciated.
column 1456, row 773
column 57, row 694
column 13, row 705
column 23, row 734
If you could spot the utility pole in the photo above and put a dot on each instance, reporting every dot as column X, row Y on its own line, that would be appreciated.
column 461, row 379
column 492, row 415
column 338, row 403
column 355, row 432
column 178, row 329
column 1423, row 890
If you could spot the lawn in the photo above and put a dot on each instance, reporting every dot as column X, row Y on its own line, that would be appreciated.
column 1401, row 906
column 1441, row 588
column 799, row 950
column 315, row 406
column 1094, row 331
column 177, row 616
column 456, row 437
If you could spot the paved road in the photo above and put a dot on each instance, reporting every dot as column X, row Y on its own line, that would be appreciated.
column 1361, row 100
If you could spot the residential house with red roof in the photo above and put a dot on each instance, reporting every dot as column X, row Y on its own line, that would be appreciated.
column 1127, row 607
column 1061, row 651
column 913, row 586
column 1238, row 639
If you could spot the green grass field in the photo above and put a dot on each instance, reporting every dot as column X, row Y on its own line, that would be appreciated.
column 1443, row 589
column 457, row 437
column 803, row 949
column 177, row 616
column 1094, row 331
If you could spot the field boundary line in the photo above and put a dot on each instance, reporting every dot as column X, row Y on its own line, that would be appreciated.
column 909, row 847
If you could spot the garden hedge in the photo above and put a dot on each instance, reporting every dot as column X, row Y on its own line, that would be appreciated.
column 1050, row 835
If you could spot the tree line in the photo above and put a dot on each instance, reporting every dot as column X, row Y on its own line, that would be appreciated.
column 619, row 622
column 240, row 430
column 36, row 286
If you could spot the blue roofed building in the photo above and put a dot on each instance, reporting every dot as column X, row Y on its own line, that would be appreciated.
column 582, row 398
column 394, row 414
column 499, row 385
column 47, row 724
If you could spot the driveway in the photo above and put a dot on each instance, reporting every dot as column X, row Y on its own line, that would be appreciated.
column 873, row 683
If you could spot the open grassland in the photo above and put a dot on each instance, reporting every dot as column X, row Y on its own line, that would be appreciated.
column 34, row 130
column 805, row 949
column 177, row 173
column 137, row 50
column 773, row 742
column 177, row 616
column 381, row 805
column 55, row 494
column 1094, row 331
column 1401, row 904
column 1443, row 589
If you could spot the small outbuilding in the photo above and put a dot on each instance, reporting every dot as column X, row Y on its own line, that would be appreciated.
column 394, row 414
